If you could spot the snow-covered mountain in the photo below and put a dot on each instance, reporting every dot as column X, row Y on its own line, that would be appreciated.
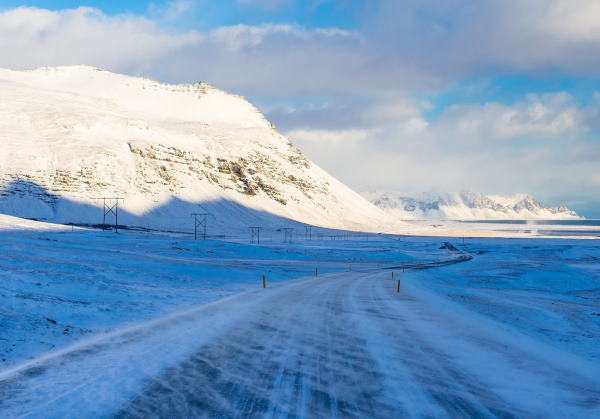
column 69, row 135
column 467, row 206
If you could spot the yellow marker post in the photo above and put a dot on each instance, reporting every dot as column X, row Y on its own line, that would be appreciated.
column 398, row 287
column 393, row 275
column 264, row 281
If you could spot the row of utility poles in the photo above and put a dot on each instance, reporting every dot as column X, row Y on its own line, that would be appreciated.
column 288, row 232
column 110, row 205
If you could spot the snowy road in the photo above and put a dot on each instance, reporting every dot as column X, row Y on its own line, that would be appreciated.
column 340, row 345
column 350, row 346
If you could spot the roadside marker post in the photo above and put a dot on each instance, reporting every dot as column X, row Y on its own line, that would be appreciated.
column 393, row 275
column 264, row 278
column 316, row 271
column 398, row 287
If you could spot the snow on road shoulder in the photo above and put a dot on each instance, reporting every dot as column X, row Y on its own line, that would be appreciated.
column 546, row 289
column 104, row 372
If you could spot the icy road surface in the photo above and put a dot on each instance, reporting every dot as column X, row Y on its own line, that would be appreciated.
column 339, row 345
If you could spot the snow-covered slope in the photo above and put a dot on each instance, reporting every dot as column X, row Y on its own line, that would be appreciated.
column 467, row 206
column 72, row 134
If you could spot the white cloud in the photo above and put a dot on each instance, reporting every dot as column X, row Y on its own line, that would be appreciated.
column 351, row 114
column 575, row 20
column 245, row 36
column 404, row 47
column 172, row 9
column 271, row 59
column 537, row 116
column 386, row 111
column 320, row 137
column 536, row 145
column 31, row 37
column 436, row 42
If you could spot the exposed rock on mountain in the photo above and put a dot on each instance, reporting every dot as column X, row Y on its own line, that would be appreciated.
column 70, row 135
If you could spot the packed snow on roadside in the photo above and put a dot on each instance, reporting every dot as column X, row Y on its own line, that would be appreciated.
column 548, row 289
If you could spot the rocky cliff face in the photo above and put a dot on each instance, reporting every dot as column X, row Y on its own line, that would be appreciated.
column 73, row 134
column 468, row 206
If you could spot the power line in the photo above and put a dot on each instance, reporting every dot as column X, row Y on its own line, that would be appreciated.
column 110, row 207
column 255, row 234
column 308, row 232
column 288, row 232
column 200, row 221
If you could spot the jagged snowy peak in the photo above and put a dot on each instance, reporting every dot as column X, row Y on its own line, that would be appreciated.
column 467, row 206
column 72, row 134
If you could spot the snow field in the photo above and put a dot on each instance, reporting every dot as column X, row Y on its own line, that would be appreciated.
column 162, row 323
column 60, row 287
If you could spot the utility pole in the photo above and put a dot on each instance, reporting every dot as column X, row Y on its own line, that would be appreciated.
column 199, row 221
column 110, row 206
column 255, row 234
column 308, row 232
column 288, row 232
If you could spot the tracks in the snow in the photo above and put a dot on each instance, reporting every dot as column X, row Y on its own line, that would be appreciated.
column 303, row 355
column 339, row 345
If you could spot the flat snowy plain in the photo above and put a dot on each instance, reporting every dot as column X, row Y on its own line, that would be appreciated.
column 98, row 324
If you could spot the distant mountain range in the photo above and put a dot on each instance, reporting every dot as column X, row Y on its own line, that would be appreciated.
column 467, row 206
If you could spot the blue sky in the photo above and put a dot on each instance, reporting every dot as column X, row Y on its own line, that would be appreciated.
column 208, row 14
column 497, row 96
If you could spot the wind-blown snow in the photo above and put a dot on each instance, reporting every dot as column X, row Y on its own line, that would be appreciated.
column 71, row 134
column 511, row 330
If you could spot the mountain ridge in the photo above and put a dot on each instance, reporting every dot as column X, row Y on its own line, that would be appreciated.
column 72, row 134
column 467, row 205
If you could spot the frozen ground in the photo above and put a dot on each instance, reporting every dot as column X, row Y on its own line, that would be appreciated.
column 140, row 325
